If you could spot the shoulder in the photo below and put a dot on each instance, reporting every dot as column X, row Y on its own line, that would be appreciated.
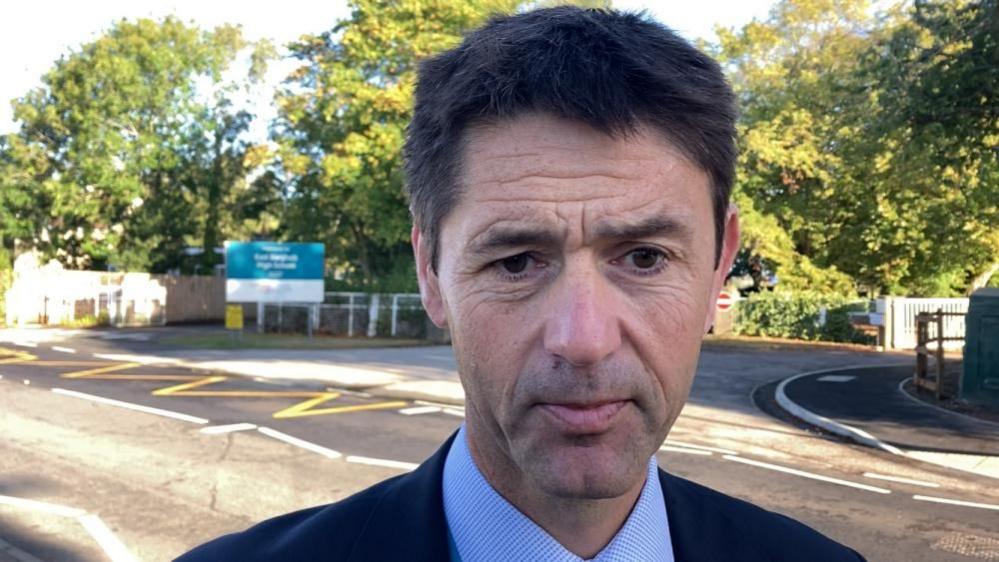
column 743, row 527
column 326, row 532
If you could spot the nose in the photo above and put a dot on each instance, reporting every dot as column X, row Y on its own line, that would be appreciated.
column 583, row 322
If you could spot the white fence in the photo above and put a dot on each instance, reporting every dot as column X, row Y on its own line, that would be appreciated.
column 56, row 296
column 352, row 314
column 899, row 319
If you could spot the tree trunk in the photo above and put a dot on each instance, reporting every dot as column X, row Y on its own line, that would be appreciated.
column 983, row 278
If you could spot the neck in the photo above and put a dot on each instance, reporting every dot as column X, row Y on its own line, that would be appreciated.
column 584, row 526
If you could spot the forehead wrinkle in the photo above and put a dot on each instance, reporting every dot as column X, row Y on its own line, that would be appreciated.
column 557, row 198
column 643, row 220
column 567, row 176
column 533, row 226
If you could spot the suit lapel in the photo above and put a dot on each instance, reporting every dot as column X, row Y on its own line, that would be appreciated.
column 408, row 523
column 693, row 535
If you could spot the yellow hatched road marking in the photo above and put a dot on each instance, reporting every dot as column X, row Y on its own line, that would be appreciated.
column 47, row 363
column 243, row 393
column 303, row 409
column 145, row 377
column 203, row 381
column 100, row 370
column 15, row 356
column 108, row 370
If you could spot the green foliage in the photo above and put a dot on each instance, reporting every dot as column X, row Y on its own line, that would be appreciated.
column 125, row 153
column 763, row 236
column 796, row 315
column 341, row 126
column 868, row 143
column 88, row 321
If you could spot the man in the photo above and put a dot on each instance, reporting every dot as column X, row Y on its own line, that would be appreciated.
column 569, row 173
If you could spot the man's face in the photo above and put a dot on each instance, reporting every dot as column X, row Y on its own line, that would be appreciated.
column 576, row 274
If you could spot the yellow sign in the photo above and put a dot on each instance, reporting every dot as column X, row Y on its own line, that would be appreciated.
column 233, row 317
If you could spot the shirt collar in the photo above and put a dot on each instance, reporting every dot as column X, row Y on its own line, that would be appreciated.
column 485, row 526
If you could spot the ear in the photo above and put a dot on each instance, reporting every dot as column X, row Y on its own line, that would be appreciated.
column 430, row 291
column 730, row 247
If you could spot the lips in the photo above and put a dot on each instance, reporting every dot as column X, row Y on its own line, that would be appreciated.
column 585, row 418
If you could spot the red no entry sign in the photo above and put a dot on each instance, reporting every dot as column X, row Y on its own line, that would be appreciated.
column 725, row 300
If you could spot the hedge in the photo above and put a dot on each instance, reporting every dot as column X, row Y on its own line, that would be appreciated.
column 797, row 315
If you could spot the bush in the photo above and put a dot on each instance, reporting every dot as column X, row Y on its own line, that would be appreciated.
column 797, row 315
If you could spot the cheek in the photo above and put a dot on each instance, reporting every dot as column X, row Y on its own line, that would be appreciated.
column 666, row 332
column 491, row 341
column 672, row 311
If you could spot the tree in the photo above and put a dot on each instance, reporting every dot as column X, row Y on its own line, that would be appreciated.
column 123, row 140
column 788, row 72
column 870, row 140
column 342, row 118
column 939, row 72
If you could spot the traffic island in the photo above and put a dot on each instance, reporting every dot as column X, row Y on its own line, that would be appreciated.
column 867, row 405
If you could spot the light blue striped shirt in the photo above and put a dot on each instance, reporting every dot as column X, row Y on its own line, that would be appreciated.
column 484, row 526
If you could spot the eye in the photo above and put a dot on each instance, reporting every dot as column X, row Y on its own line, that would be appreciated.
column 515, row 264
column 646, row 261
column 519, row 267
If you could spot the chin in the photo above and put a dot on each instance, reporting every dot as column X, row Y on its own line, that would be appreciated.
column 588, row 472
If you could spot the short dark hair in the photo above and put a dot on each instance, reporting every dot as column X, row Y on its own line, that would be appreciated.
column 614, row 71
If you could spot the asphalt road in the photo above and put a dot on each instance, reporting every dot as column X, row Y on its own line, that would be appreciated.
column 159, row 483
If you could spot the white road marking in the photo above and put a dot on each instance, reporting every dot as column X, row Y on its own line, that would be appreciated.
column 63, row 349
column 130, row 406
column 35, row 505
column 836, row 378
column 701, row 447
column 26, row 381
column 329, row 453
column 216, row 429
column 669, row 449
column 382, row 462
column 26, row 344
column 455, row 412
column 100, row 532
column 957, row 502
column 804, row 474
column 419, row 410
column 901, row 480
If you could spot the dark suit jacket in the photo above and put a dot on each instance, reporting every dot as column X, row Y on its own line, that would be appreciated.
column 403, row 519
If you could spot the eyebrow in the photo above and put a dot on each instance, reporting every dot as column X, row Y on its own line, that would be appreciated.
column 501, row 238
column 650, row 227
column 506, row 237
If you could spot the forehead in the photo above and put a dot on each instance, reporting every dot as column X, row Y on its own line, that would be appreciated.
column 537, row 166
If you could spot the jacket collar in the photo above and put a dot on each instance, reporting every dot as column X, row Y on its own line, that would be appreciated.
column 409, row 517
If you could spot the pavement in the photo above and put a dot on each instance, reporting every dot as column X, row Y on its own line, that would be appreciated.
column 870, row 405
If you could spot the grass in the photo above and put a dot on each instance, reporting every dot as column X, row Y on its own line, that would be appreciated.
column 285, row 341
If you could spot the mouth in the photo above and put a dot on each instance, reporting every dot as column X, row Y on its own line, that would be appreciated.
column 584, row 418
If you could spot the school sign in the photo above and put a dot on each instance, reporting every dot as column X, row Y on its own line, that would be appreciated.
column 274, row 271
